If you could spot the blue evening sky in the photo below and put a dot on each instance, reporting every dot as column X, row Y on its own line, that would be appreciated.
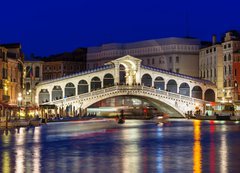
column 45, row 27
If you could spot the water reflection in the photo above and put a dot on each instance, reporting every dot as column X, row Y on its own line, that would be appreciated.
column 197, row 149
column 131, row 151
column 212, row 147
column 5, row 154
column 20, row 151
column 184, row 146
column 223, row 150
column 36, row 150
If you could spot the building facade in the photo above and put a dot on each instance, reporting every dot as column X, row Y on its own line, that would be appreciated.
column 178, row 55
column 11, row 76
column 32, row 76
column 219, row 63
column 231, row 47
column 211, row 64
column 60, row 65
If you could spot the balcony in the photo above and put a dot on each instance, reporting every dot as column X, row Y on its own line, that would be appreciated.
column 6, row 98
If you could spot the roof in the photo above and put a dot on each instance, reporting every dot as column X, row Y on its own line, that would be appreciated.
column 145, row 43
column 11, row 45
column 178, row 74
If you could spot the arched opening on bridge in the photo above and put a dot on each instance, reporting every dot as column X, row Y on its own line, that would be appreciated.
column 70, row 90
column 197, row 92
column 159, row 83
column 172, row 86
column 134, row 106
column 122, row 74
column 209, row 95
column 44, row 96
column 108, row 80
column 95, row 84
column 184, row 89
column 82, row 87
column 57, row 93
column 146, row 80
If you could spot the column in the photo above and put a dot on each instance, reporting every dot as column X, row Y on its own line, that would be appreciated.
column 116, row 73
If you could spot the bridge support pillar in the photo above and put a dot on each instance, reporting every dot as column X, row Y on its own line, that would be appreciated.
column 116, row 73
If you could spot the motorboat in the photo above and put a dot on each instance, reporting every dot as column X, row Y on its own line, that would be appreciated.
column 161, row 118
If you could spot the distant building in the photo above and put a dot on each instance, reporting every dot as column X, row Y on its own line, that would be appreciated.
column 220, row 63
column 231, row 48
column 11, row 76
column 180, row 55
column 211, row 64
column 33, row 75
column 60, row 65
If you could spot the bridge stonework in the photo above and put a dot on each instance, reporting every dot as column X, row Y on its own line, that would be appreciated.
column 174, row 93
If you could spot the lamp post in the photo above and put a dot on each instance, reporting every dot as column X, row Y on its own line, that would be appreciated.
column 19, row 102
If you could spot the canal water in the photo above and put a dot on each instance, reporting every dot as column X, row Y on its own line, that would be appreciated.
column 135, row 147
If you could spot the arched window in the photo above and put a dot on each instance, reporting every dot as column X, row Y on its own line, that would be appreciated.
column 44, row 96
column 229, row 57
column 37, row 71
column 209, row 95
column 159, row 83
column 172, row 86
column 108, row 80
column 57, row 93
column 197, row 92
column 147, row 80
column 70, row 90
column 225, row 57
column 82, row 87
column 28, row 71
column 28, row 87
column 184, row 89
column 95, row 84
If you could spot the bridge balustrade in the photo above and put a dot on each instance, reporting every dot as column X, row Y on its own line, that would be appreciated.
column 126, row 89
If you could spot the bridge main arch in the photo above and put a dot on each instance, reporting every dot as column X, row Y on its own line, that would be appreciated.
column 171, row 103
column 160, row 105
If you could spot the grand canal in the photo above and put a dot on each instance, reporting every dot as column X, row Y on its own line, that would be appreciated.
column 137, row 146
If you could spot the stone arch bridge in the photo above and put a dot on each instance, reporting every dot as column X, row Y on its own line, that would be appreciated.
column 173, row 93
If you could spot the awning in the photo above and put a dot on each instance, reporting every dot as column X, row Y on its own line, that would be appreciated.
column 5, row 105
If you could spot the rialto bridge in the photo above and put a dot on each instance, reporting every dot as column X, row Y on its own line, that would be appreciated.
column 171, row 92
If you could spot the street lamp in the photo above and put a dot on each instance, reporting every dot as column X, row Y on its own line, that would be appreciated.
column 19, row 102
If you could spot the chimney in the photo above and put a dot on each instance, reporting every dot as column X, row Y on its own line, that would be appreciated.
column 214, row 39
column 227, row 36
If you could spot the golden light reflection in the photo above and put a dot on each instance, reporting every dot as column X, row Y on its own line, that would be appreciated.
column 36, row 150
column 5, row 154
column 131, row 151
column 6, row 162
column 20, row 151
column 197, row 149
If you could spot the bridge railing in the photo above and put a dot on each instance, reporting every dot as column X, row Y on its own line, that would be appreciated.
column 128, row 88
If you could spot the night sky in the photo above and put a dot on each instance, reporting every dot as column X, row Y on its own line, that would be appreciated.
column 45, row 27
